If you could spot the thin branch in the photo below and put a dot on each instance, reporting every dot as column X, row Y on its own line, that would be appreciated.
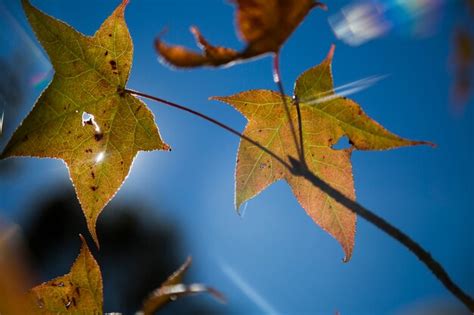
column 213, row 121
column 423, row 255
column 300, row 169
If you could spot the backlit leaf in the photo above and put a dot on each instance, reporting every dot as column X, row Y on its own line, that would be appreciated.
column 78, row 292
column 263, row 24
column 84, row 117
column 326, row 118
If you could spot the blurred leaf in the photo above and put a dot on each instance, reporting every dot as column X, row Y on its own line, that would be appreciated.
column 84, row 117
column 263, row 24
column 14, row 274
column 463, row 85
column 173, row 289
column 79, row 291
column 326, row 118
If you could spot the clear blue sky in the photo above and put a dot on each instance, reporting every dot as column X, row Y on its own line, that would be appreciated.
column 274, row 259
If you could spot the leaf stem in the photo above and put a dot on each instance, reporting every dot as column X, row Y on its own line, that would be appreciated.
column 300, row 169
column 279, row 83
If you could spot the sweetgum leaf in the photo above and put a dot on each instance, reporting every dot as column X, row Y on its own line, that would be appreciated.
column 326, row 118
column 78, row 292
column 173, row 288
column 90, row 75
column 263, row 24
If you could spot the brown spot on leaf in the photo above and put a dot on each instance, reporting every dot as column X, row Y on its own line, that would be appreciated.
column 98, row 136
column 106, row 53
column 93, row 175
column 94, row 188
column 113, row 64
column 25, row 138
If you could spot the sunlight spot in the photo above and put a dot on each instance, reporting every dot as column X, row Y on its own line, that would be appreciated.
column 100, row 157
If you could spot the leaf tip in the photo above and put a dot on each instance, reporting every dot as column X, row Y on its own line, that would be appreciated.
column 188, row 262
column 330, row 54
column 214, row 98
column 219, row 296
column 320, row 5
column 428, row 143
column 346, row 259
column 92, row 230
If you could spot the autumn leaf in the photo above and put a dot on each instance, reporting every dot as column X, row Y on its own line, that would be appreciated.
column 79, row 291
column 263, row 24
column 84, row 117
column 173, row 288
column 326, row 117
column 463, row 65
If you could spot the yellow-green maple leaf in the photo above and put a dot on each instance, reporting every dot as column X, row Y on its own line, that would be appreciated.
column 78, row 292
column 326, row 118
column 90, row 75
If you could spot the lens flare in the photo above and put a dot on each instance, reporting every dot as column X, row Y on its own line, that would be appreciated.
column 345, row 89
column 362, row 21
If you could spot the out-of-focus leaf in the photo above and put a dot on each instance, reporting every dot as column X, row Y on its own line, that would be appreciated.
column 84, row 117
column 78, row 292
column 463, row 65
column 173, row 288
column 326, row 117
column 263, row 24
column 14, row 274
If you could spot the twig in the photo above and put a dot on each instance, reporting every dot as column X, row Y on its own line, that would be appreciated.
column 300, row 169
column 213, row 121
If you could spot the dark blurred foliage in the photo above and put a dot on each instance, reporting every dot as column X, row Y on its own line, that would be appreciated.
column 463, row 55
column 136, row 253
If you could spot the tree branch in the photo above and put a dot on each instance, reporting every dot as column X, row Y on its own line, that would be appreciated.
column 299, row 168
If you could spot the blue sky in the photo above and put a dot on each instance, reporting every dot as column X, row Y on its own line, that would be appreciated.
column 274, row 259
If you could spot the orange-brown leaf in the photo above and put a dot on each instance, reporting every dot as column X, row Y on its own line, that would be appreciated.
column 326, row 118
column 181, row 57
column 263, row 24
